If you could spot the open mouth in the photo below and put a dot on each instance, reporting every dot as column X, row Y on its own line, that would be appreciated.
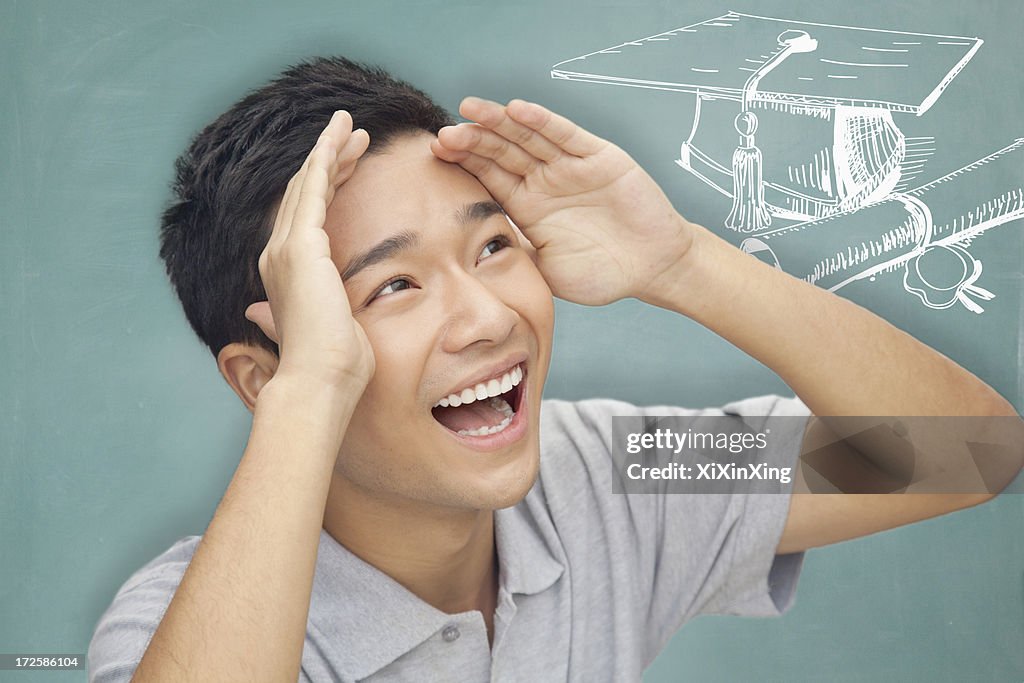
column 484, row 409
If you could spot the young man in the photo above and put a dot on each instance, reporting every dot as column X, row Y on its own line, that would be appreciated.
column 407, row 508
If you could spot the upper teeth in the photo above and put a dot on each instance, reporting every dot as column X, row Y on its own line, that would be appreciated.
column 494, row 387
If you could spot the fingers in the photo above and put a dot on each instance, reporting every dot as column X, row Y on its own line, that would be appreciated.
column 524, row 243
column 311, row 202
column 558, row 129
column 499, row 182
column 261, row 314
column 320, row 175
column 329, row 163
column 286, row 209
column 345, row 162
column 298, row 226
column 496, row 137
column 539, row 131
column 505, row 144
column 496, row 117
column 457, row 142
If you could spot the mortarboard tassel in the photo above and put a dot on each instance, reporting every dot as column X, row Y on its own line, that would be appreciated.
column 749, row 210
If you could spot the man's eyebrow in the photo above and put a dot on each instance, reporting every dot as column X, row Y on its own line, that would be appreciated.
column 381, row 251
column 394, row 245
column 477, row 211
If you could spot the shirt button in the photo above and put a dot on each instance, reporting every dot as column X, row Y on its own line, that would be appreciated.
column 450, row 633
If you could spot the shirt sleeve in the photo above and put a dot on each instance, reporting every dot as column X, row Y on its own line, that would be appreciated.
column 123, row 632
column 756, row 581
column 687, row 554
column 126, row 627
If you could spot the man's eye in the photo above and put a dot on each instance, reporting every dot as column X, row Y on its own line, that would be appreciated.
column 396, row 285
column 495, row 245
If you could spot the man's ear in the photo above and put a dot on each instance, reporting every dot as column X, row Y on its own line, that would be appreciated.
column 246, row 368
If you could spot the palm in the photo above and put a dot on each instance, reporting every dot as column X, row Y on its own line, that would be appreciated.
column 307, row 312
column 601, row 226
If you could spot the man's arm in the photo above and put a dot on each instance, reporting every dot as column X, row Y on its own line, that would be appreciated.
column 841, row 360
column 604, row 231
column 241, row 608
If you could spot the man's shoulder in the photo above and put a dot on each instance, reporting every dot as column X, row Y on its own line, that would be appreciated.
column 559, row 414
column 576, row 437
column 592, row 417
column 172, row 561
column 577, row 428
column 575, row 451
column 152, row 586
column 125, row 628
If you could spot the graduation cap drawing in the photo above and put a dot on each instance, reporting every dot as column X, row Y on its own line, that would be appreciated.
column 815, row 139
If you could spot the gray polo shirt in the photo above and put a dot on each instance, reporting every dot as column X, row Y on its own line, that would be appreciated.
column 592, row 584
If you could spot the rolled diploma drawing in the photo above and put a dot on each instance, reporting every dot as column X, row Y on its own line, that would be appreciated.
column 831, row 252
column 834, row 251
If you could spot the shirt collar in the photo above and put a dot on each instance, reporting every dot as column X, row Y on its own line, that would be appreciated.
column 525, row 558
column 369, row 618
column 373, row 620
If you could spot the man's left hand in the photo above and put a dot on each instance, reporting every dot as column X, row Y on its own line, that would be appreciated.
column 602, row 228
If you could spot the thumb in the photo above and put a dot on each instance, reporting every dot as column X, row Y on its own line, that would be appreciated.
column 260, row 314
column 524, row 242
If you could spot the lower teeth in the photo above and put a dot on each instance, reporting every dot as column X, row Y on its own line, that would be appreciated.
column 501, row 406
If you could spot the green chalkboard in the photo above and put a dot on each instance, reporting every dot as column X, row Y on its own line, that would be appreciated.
column 892, row 173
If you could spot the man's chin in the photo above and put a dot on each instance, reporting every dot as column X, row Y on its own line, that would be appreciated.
column 446, row 473
column 510, row 484
column 514, row 495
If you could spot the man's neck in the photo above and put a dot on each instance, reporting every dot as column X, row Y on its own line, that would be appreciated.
column 445, row 557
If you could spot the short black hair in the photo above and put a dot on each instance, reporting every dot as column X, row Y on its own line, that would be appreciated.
column 229, row 181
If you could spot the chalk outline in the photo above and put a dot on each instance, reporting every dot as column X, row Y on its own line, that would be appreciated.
column 903, row 173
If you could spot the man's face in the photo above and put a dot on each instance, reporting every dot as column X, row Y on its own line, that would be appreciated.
column 453, row 305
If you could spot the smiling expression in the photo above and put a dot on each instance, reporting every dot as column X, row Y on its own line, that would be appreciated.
column 453, row 306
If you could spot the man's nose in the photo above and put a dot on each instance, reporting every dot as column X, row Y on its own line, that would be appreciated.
column 475, row 314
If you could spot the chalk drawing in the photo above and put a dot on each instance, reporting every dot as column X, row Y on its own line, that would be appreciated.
column 838, row 202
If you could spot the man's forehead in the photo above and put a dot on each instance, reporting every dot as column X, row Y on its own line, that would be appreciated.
column 397, row 198
column 404, row 186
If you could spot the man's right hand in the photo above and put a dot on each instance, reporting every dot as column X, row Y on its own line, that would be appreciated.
column 308, row 313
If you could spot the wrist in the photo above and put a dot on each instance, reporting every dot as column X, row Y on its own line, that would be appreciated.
column 689, row 278
column 303, row 387
column 320, row 371
column 308, row 403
